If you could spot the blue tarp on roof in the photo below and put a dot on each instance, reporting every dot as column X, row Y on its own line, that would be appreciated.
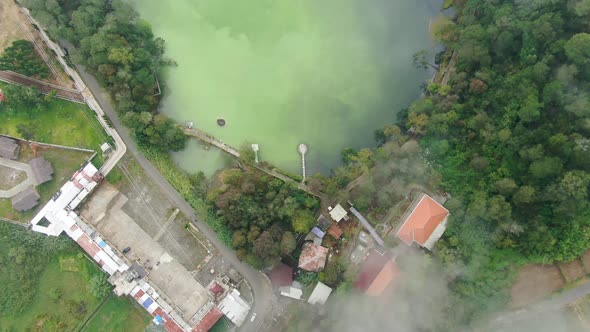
column 318, row 232
column 102, row 244
column 146, row 304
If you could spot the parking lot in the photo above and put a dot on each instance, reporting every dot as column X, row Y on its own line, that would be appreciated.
column 170, row 270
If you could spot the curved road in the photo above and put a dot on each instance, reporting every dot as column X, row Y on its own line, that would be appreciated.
column 258, row 281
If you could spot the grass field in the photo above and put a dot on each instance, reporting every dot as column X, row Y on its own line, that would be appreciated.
column 67, row 275
column 119, row 314
column 46, row 287
column 63, row 123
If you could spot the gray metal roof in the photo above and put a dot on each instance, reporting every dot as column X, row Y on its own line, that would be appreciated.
column 26, row 199
column 8, row 148
column 42, row 170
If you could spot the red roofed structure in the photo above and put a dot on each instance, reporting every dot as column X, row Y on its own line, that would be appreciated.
column 2, row 98
column 377, row 274
column 209, row 320
column 313, row 257
column 281, row 275
column 216, row 289
column 425, row 223
column 335, row 231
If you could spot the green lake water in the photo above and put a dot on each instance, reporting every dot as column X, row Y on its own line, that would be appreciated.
column 282, row 72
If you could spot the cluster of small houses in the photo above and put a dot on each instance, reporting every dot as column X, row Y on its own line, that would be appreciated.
column 41, row 170
column 422, row 224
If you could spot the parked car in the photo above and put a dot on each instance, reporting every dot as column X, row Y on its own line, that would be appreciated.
column 253, row 317
column 126, row 250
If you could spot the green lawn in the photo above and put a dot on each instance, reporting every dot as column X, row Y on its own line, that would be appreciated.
column 63, row 123
column 119, row 314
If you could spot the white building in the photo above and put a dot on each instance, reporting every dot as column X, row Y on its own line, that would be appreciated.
column 320, row 294
column 234, row 307
column 338, row 213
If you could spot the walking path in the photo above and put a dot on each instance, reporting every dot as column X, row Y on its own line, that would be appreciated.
column 551, row 304
column 44, row 87
column 21, row 186
column 120, row 147
column 367, row 226
column 211, row 140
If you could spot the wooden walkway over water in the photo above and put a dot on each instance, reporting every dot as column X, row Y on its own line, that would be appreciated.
column 209, row 139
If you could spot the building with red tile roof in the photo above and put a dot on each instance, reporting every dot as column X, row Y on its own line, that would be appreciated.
column 425, row 223
column 335, row 231
column 208, row 320
column 378, row 272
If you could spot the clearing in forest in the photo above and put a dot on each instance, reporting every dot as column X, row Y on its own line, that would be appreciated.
column 10, row 29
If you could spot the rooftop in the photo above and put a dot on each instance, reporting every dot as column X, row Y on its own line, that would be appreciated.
column 234, row 307
column 8, row 148
column 370, row 268
column 318, row 232
column 26, row 199
column 320, row 294
column 292, row 292
column 335, row 231
column 338, row 213
column 422, row 222
column 209, row 320
column 313, row 257
column 281, row 275
column 42, row 170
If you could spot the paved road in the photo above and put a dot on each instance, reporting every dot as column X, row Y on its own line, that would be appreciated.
column 553, row 303
column 259, row 282
column 21, row 186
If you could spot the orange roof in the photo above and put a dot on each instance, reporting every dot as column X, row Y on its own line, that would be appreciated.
column 383, row 279
column 335, row 231
column 423, row 220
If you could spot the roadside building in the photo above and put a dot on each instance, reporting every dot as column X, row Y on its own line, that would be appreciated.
column 377, row 274
column 338, row 213
column 293, row 292
column 424, row 223
column 318, row 232
column 320, row 294
column 42, row 170
column 234, row 307
column 208, row 320
column 313, row 257
column 26, row 199
column 335, row 231
column 281, row 275
column 8, row 148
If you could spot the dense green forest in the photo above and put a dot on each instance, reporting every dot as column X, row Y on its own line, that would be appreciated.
column 20, row 57
column 121, row 51
column 262, row 213
column 510, row 137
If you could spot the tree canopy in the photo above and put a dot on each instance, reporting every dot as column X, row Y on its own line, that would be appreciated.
column 122, row 52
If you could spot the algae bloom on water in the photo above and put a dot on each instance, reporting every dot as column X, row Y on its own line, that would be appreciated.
column 282, row 72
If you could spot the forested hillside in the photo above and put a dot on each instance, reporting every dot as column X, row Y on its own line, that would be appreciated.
column 121, row 51
column 510, row 137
